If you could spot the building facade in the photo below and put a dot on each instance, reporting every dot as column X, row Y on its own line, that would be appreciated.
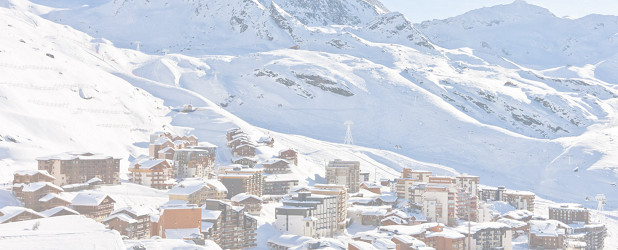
column 72, row 167
column 345, row 173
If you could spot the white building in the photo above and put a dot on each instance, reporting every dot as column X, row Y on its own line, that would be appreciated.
column 308, row 215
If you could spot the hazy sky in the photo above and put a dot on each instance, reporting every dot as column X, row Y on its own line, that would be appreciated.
column 421, row 10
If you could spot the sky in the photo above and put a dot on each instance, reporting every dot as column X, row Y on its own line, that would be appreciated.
column 422, row 10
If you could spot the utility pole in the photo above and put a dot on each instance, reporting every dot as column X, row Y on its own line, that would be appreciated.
column 348, row 133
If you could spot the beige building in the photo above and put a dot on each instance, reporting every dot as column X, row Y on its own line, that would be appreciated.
column 75, row 167
column 156, row 173
column 345, row 173
column 342, row 201
column 242, row 180
column 197, row 191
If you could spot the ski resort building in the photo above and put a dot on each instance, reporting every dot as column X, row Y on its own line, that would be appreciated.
column 31, row 193
column 569, row 213
column 157, row 173
column 276, row 166
column 308, row 215
column 251, row 203
column 14, row 214
column 191, row 162
column 242, row 180
column 277, row 185
column 197, row 191
column 96, row 206
column 345, row 173
column 177, row 221
column 131, row 222
column 341, row 193
column 232, row 228
column 73, row 167
column 487, row 235
column 290, row 155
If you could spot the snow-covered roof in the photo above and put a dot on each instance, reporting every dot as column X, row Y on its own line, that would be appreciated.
column 210, row 214
column 35, row 186
column 175, row 202
column 206, row 226
column 388, row 198
column 89, row 199
column 53, row 211
column 517, row 192
column 67, row 156
column 377, row 212
column 9, row 212
column 180, row 142
column 476, row 227
column 280, row 177
column 362, row 245
column 395, row 219
column 148, row 164
column 136, row 211
column 383, row 243
column 216, row 184
column 165, row 150
column 265, row 139
column 161, row 141
column 51, row 196
column 121, row 216
column 243, row 196
column 512, row 223
column 182, row 233
column 445, row 233
column 550, row 228
column 288, row 240
column 519, row 214
column 94, row 180
column 371, row 185
column 406, row 239
column 187, row 187
column 398, row 213
column 410, row 230
column 273, row 161
column 34, row 172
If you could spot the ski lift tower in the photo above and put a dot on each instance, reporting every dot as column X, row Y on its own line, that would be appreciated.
column 348, row 133
column 601, row 201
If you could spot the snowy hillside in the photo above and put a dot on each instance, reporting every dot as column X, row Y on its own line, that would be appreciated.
column 521, row 126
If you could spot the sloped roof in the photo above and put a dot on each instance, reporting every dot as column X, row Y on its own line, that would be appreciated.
column 149, row 164
column 137, row 211
column 243, row 196
column 121, row 216
column 12, row 211
column 51, row 196
column 34, row 172
column 53, row 211
column 35, row 186
column 89, row 199
column 161, row 141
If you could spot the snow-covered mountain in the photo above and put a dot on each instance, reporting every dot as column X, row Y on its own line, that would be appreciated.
column 523, row 127
column 533, row 37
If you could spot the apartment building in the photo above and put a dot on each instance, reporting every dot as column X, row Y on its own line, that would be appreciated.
column 341, row 193
column 233, row 228
column 487, row 235
column 276, row 185
column 198, row 190
column 193, row 162
column 157, row 173
column 346, row 173
column 177, row 221
column 242, row 180
column 251, row 203
column 131, row 222
column 517, row 199
column 569, row 213
column 308, row 214
column 77, row 167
